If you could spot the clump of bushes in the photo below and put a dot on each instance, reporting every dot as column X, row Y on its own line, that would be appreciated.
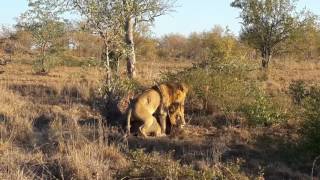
column 262, row 112
column 310, row 129
column 307, row 99
column 225, row 83
column 298, row 91
column 119, row 88
column 42, row 65
column 116, row 98
column 219, row 81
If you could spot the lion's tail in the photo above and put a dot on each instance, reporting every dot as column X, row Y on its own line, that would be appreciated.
column 129, row 114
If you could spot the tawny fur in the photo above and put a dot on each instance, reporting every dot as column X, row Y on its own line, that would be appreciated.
column 158, row 99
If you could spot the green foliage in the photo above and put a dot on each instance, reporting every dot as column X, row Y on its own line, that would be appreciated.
column 266, row 23
column 222, row 82
column 118, row 89
column 261, row 112
column 218, row 43
column 43, row 66
column 225, row 84
column 298, row 91
column 304, row 43
column 47, row 32
column 310, row 130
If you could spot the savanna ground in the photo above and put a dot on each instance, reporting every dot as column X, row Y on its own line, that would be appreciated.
column 56, row 127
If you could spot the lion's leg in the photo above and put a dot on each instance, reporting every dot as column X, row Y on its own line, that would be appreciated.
column 150, row 126
column 163, row 122
column 147, row 127
column 156, row 129
column 144, row 129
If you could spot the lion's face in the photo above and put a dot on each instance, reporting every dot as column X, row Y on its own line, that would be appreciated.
column 177, row 108
column 176, row 114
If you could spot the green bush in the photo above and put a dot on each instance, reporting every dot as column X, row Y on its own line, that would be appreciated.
column 220, row 82
column 262, row 112
column 223, row 82
column 228, row 85
column 298, row 91
column 116, row 98
column 119, row 87
column 310, row 130
column 43, row 66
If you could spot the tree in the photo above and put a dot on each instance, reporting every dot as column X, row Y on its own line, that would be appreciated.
column 219, row 42
column 114, row 18
column 46, row 30
column 102, row 18
column 173, row 46
column 136, row 12
column 305, row 42
column 266, row 23
column 145, row 44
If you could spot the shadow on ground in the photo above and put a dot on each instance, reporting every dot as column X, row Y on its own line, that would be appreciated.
column 272, row 157
column 49, row 95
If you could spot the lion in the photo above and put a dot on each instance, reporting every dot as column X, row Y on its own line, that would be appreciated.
column 156, row 101
column 176, row 115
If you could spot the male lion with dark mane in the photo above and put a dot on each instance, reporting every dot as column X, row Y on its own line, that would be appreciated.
column 157, row 101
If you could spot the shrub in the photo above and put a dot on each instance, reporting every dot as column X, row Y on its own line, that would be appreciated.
column 261, row 112
column 43, row 65
column 117, row 96
column 225, row 85
column 119, row 88
column 311, row 126
column 298, row 91
column 222, row 82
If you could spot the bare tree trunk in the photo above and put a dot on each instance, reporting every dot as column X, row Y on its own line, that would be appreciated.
column 265, row 62
column 43, row 56
column 106, row 60
column 266, row 57
column 131, row 55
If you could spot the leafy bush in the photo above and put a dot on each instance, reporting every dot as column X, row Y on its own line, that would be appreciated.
column 119, row 87
column 261, row 112
column 222, row 82
column 311, row 126
column 43, row 66
column 298, row 91
column 117, row 96
column 226, row 84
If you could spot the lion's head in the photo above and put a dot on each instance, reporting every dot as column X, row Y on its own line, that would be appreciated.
column 176, row 109
column 176, row 115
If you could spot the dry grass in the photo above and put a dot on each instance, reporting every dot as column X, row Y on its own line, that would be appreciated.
column 282, row 72
column 48, row 126
column 49, row 130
